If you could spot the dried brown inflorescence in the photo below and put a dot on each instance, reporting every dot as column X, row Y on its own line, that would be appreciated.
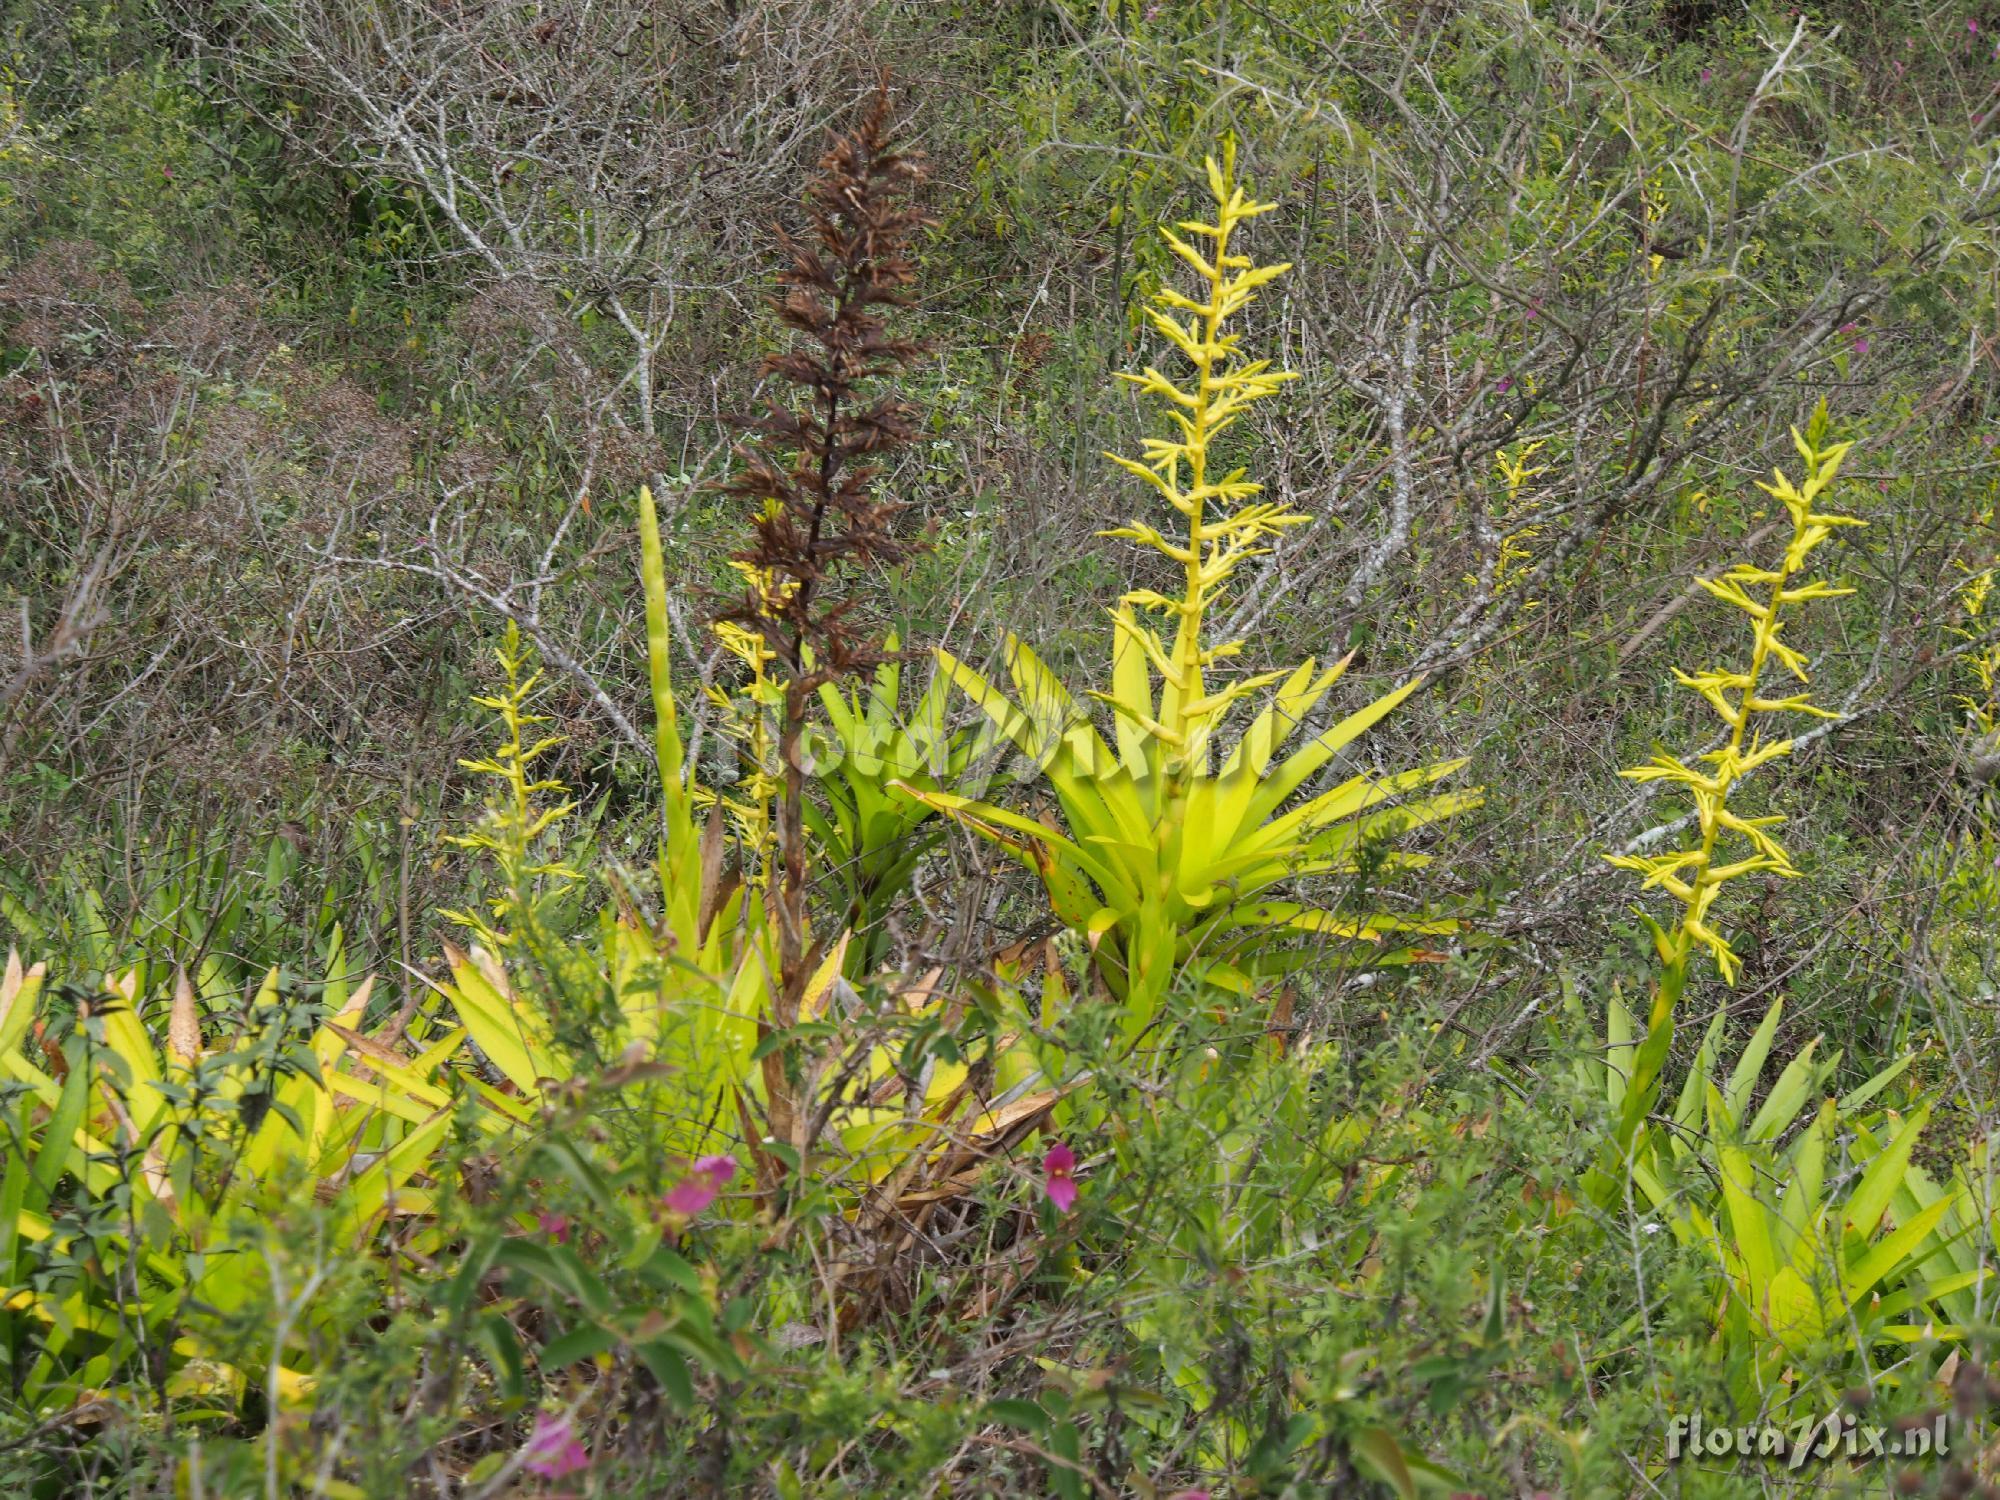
column 810, row 476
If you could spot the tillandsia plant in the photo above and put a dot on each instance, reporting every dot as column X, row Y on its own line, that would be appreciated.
column 810, row 479
column 1176, row 854
column 140, row 1172
column 645, row 985
column 680, row 1001
column 871, row 835
column 1799, row 1266
column 1695, row 876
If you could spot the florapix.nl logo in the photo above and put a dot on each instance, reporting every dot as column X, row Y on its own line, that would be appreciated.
column 1813, row 1439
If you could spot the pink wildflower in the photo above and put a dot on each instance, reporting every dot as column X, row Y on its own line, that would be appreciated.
column 555, row 1226
column 554, row 1451
column 1057, row 1179
column 700, row 1187
column 1503, row 385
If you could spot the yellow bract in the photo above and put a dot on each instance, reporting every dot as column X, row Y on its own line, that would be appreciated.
column 1692, row 876
column 1218, row 537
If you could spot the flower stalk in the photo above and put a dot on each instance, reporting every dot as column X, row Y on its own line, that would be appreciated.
column 817, row 515
column 515, row 819
column 1695, row 876
column 1221, row 531
column 1692, row 876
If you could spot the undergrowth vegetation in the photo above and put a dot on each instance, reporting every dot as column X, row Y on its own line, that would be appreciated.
column 851, row 748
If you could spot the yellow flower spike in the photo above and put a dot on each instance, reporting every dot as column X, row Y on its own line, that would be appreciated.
column 1225, row 523
column 1692, row 876
column 1984, row 662
column 515, row 816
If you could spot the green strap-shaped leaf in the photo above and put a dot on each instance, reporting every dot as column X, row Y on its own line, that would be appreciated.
column 20, row 990
column 659, row 650
column 1132, row 697
column 1744, row 1077
column 1618, row 1047
column 1800, row 1212
column 1788, row 1095
column 1878, row 1184
column 1305, row 762
column 1751, row 1221
column 504, row 1029
column 1852, row 1101
column 1890, row 1252
column 59, row 1138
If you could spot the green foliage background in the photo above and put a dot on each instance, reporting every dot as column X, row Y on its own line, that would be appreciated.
column 337, row 339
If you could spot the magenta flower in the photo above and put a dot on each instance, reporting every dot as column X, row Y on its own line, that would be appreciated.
column 1973, row 27
column 1057, row 1179
column 554, row 1451
column 1861, row 345
column 1706, row 74
column 1503, row 385
column 700, row 1187
column 555, row 1226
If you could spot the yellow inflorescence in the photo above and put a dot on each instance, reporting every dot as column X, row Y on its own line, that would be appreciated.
column 1982, row 663
column 1692, row 876
column 1222, row 529
column 516, row 818
column 750, row 724
column 1511, row 566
